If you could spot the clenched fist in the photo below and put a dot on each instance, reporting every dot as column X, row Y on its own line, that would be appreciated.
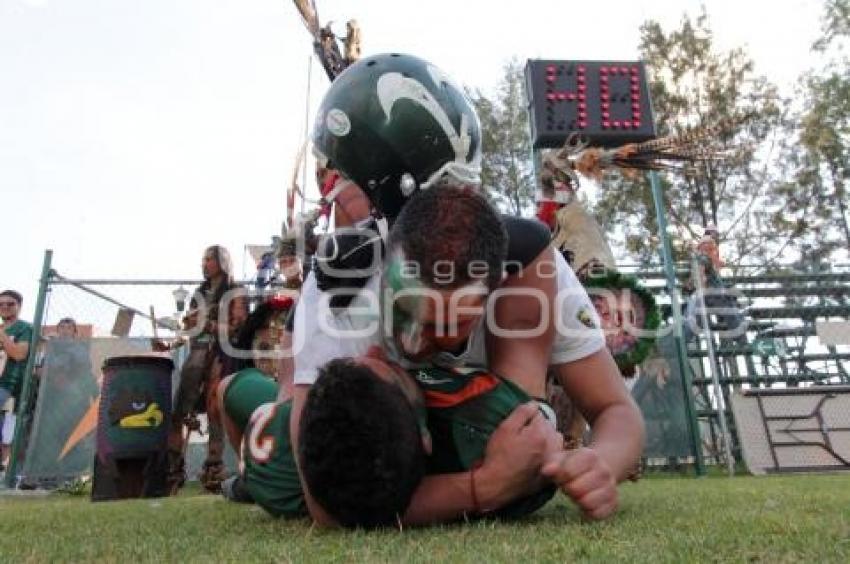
column 586, row 478
column 515, row 455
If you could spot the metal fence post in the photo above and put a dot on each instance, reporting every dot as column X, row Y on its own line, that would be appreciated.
column 681, row 351
column 23, row 406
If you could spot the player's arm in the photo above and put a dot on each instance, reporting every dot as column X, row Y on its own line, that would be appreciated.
column 617, row 430
column 589, row 476
column 231, row 429
column 519, row 343
column 590, row 378
column 16, row 351
column 510, row 470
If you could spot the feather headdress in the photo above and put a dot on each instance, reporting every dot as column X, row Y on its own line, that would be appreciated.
column 674, row 152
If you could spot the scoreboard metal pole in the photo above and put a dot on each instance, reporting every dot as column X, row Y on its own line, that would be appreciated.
column 676, row 310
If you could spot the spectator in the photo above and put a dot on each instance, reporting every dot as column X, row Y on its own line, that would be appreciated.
column 199, row 374
column 718, row 296
column 66, row 328
column 291, row 272
column 15, row 337
column 66, row 390
column 69, row 362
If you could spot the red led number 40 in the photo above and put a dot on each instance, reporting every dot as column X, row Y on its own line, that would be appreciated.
column 617, row 84
column 606, row 101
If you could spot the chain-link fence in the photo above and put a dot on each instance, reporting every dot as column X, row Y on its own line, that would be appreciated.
column 61, row 445
column 58, row 409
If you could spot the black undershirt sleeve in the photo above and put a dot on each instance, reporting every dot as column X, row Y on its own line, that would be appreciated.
column 526, row 240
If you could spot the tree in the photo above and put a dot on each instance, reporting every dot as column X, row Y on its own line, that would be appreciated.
column 507, row 170
column 836, row 25
column 694, row 86
column 824, row 126
column 815, row 196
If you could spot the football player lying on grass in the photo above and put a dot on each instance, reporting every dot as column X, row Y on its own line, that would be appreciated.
column 363, row 469
column 257, row 426
column 364, row 465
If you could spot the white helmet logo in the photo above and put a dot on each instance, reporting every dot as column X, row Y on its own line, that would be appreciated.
column 393, row 86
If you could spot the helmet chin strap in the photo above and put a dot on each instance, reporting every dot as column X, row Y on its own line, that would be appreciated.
column 383, row 228
column 455, row 172
column 340, row 185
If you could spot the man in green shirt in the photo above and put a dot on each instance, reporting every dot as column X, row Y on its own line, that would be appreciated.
column 15, row 336
column 258, row 428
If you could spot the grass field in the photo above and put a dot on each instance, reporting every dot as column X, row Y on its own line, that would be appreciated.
column 770, row 519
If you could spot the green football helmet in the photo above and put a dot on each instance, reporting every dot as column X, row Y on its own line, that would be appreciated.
column 394, row 124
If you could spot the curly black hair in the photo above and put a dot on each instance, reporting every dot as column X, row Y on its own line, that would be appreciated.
column 450, row 225
column 360, row 448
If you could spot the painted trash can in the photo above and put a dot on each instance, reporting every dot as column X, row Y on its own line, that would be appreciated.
column 131, row 457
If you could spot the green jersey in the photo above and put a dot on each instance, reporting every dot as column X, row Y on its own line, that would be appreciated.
column 464, row 408
column 267, row 462
column 13, row 374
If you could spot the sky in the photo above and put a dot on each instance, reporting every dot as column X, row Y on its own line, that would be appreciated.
column 134, row 133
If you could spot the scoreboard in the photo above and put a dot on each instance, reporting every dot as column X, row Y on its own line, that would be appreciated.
column 606, row 101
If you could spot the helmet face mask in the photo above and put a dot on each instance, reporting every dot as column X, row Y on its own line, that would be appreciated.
column 394, row 124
